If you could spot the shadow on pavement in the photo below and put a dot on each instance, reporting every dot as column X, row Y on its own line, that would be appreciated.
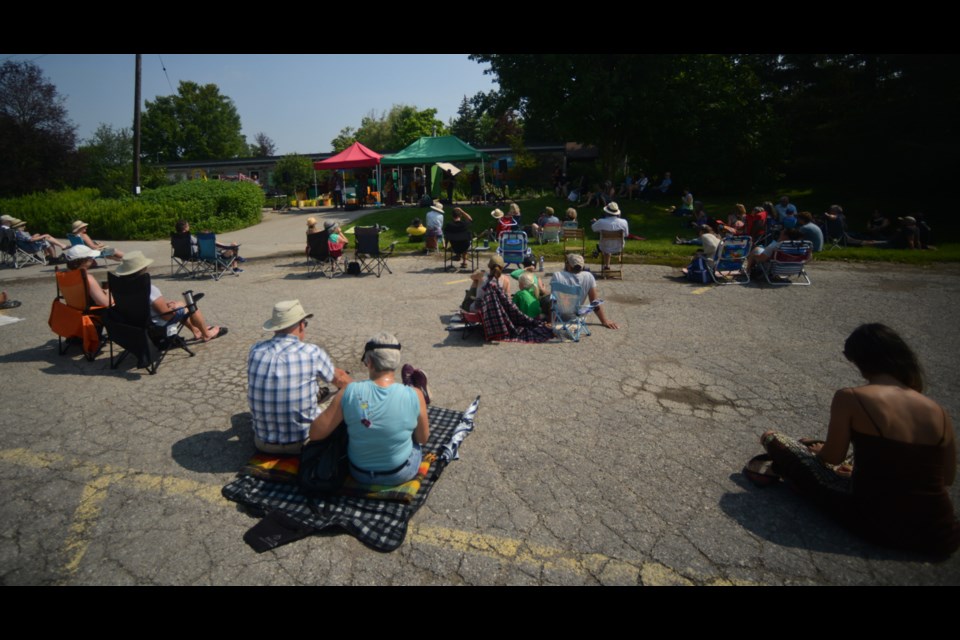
column 780, row 516
column 217, row 451
column 71, row 363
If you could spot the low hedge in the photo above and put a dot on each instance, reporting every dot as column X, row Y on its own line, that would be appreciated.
column 218, row 206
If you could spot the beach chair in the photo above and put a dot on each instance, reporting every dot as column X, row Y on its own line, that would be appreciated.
column 129, row 324
column 789, row 261
column 209, row 258
column 368, row 253
column 568, row 314
column 72, row 317
column 550, row 233
column 612, row 242
column 730, row 260
column 319, row 259
column 16, row 254
column 513, row 247
column 182, row 258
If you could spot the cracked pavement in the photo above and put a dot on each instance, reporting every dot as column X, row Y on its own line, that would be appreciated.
column 613, row 461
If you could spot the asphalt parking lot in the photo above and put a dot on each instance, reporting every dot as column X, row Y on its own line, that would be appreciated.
column 613, row 461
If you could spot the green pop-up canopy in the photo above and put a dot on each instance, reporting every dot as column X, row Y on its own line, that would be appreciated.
column 426, row 150
column 429, row 150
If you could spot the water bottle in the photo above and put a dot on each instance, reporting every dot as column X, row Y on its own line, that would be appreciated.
column 541, row 264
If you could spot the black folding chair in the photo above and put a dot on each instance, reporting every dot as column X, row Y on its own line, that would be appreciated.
column 130, row 325
column 319, row 259
column 182, row 257
column 457, row 246
column 368, row 253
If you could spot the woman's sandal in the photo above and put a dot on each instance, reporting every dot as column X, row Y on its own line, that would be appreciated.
column 759, row 470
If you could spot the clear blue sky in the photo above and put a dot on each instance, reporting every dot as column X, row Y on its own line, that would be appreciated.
column 301, row 101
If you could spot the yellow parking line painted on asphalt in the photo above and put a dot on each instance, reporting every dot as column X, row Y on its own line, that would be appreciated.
column 458, row 281
column 502, row 548
column 697, row 292
column 84, row 519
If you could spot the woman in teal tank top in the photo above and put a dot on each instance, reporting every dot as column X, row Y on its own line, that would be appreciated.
column 386, row 420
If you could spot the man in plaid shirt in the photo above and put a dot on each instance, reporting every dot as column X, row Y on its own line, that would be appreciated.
column 282, row 381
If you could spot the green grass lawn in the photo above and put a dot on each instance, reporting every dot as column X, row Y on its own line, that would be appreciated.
column 649, row 220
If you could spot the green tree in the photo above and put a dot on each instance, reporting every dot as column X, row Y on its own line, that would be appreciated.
column 198, row 123
column 37, row 140
column 344, row 139
column 675, row 110
column 292, row 173
column 392, row 130
column 263, row 146
column 106, row 163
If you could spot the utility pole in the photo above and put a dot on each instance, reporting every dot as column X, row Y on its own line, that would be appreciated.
column 136, row 131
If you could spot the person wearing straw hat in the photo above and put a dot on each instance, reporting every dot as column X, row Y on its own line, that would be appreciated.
column 79, row 228
column 282, row 386
column 35, row 242
column 612, row 221
column 162, row 310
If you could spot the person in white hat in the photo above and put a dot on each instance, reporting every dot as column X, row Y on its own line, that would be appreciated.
column 162, row 310
column 612, row 221
column 79, row 228
column 282, row 385
column 83, row 257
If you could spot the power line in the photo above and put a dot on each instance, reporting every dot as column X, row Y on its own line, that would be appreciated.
column 165, row 74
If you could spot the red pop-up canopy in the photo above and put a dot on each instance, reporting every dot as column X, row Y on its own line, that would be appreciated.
column 353, row 157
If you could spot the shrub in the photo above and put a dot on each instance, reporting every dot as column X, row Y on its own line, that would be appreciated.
column 215, row 205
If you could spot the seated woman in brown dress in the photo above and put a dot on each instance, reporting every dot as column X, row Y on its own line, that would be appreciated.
column 896, row 493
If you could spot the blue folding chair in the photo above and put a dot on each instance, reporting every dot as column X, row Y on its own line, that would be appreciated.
column 568, row 313
column 513, row 247
column 210, row 260
column 731, row 258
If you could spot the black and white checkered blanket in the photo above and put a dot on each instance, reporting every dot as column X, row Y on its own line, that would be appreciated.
column 379, row 524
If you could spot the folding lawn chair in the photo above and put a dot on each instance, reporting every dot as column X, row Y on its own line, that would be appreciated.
column 731, row 259
column 568, row 313
column 612, row 242
column 130, row 325
column 17, row 255
column 513, row 247
column 182, row 258
column 458, row 244
column 209, row 258
column 319, row 259
column 72, row 317
column 550, row 233
column 835, row 233
column 574, row 241
column 788, row 261
column 368, row 253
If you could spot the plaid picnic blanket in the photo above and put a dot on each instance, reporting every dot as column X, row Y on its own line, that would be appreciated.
column 502, row 320
column 379, row 524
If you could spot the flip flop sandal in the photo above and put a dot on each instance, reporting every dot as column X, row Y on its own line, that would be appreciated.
column 10, row 304
column 759, row 470
column 222, row 332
